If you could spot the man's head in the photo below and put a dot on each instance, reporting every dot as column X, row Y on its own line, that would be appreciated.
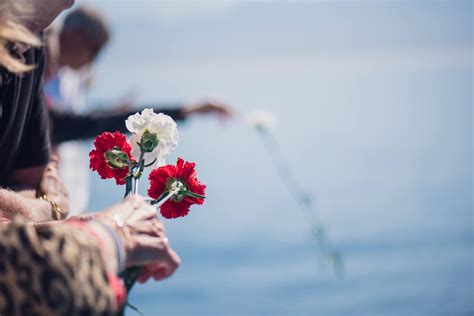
column 84, row 33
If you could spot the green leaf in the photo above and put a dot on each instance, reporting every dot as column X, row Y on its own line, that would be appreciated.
column 136, row 309
column 151, row 163
column 191, row 194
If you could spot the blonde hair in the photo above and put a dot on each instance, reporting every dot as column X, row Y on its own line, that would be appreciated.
column 12, row 31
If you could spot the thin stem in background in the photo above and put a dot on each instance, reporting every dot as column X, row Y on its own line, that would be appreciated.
column 304, row 200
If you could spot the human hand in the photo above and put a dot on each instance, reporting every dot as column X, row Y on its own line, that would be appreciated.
column 158, row 271
column 52, row 186
column 209, row 107
column 143, row 237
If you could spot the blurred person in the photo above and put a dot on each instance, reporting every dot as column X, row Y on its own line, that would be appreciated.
column 72, row 49
column 24, row 137
column 47, row 278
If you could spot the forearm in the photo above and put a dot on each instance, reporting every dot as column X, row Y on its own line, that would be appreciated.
column 106, row 242
column 15, row 204
column 70, row 126
column 177, row 111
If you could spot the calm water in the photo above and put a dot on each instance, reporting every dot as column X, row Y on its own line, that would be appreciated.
column 375, row 112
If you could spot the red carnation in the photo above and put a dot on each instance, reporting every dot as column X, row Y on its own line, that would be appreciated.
column 109, row 156
column 163, row 177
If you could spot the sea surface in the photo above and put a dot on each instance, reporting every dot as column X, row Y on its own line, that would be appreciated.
column 374, row 121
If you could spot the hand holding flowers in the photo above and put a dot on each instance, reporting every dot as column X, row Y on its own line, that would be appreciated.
column 143, row 235
column 173, row 188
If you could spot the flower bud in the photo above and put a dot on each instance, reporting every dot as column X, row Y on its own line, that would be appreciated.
column 148, row 142
column 116, row 158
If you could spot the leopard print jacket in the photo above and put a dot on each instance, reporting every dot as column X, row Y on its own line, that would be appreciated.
column 57, row 270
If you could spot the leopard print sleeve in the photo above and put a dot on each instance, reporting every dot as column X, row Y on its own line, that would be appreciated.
column 54, row 271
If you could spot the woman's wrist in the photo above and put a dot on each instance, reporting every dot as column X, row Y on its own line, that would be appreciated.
column 118, row 244
column 114, row 224
column 108, row 245
column 111, row 246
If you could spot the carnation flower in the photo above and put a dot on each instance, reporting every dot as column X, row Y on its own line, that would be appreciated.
column 182, row 177
column 262, row 120
column 110, row 156
column 155, row 134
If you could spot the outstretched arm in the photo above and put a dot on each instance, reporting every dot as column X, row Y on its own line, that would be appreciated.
column 67, row 126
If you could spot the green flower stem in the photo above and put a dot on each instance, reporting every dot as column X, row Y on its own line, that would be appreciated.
column 151, row 163
column 136, row 309
column 325, row 248
column 141, row 161
column 191, row 194
column 137, row 170
column 130, row 275
column 164, row 195
column 128, row 186
column 139, row 166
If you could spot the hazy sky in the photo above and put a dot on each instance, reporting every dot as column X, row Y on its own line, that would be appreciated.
column 374, row 107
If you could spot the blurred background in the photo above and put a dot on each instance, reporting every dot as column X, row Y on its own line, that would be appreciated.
column 374, row 108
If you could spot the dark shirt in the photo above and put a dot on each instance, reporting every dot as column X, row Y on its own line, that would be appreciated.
column 24, row 135
column 67, row 126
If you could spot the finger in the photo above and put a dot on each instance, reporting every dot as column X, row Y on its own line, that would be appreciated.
column 151, row 227
column 134, row 199
column 175, row 259
column 134, row 207
column 145, row 275
column 157, row 246
column 152, row 250
column 167, row 268
column 161, row 273
column 148, row 211
column 141, row 212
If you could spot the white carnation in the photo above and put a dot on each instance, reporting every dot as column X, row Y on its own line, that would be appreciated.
column 161, row 124
column 262, row 120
